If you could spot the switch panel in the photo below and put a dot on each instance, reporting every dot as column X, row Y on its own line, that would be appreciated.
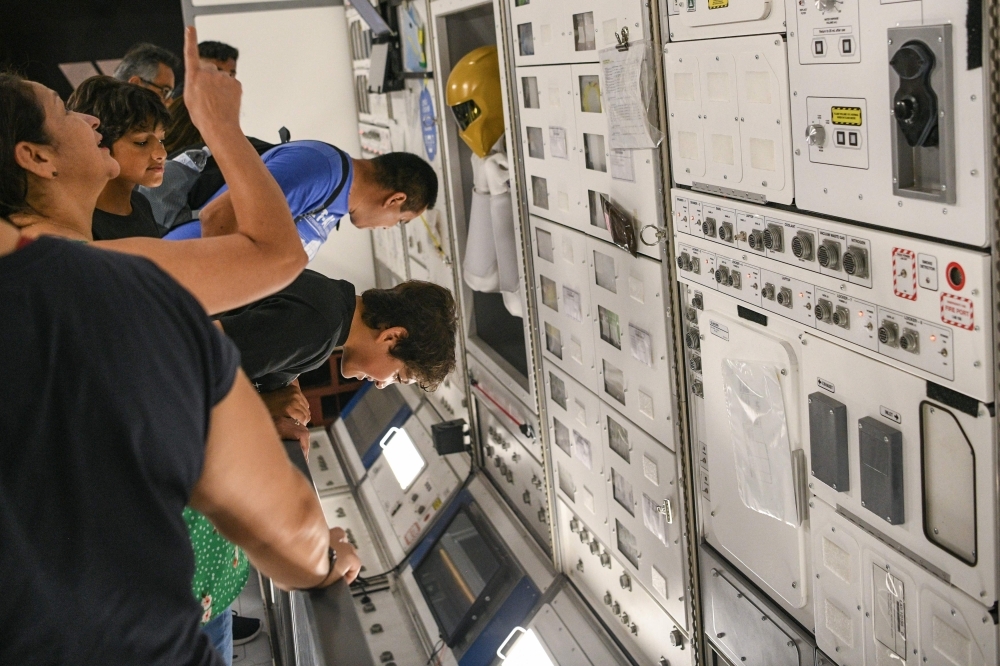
column 519, row 477
column 828, row 441
column 894, row 138
column 881, row 452
column 830, row 31
column 706, row 19
column 729, row 117
column 652, row 641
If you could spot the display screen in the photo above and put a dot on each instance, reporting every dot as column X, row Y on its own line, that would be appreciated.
column 403, row 457
column 456, row 571
column 371, row 415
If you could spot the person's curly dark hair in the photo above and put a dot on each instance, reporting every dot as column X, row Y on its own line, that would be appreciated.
column 427, row 311
column 121, row 107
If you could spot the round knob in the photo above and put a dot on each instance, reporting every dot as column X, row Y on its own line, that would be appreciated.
column 816, row 135
column 905, row 108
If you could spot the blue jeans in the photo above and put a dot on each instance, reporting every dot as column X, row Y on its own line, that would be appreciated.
column 220, row 633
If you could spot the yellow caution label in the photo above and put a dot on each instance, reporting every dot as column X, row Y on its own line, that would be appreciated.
column 845, row 115
column 718, row 4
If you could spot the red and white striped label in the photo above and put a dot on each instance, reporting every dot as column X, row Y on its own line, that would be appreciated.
column 957, row 311
column 904, row 273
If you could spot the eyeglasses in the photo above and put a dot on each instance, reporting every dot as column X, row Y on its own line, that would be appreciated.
column 163, row 90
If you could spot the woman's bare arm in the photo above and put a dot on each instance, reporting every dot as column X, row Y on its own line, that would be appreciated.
column 259, row 501
column 265, row 253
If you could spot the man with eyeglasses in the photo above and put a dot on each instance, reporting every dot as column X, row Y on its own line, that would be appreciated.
column 151, row 67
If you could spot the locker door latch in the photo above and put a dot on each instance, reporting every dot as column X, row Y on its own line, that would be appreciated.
column 659, row 235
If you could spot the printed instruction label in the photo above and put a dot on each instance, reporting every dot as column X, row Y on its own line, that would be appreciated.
column 846, row 115
column 718, row 4
column 890, row 414
column 718, row 330
column 825, row 385
column 957, row 311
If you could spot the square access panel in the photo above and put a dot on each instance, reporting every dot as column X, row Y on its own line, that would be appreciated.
column 578, row 457
column 705, row 19
column 729, row 117
column 628, row 177
column 548, row 33
column 549, row 142
column 562, row 290
column 645, row 513
column 630, row 338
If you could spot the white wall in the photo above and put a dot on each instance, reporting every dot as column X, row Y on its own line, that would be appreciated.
column 295, row 67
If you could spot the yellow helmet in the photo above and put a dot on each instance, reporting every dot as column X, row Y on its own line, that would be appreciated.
column 474, row 97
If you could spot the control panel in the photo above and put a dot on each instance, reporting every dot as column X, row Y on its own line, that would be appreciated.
column 860, row 286
column 519, row 477
column 637, row 620
column 893, row 138
column 409, row 484
column 710, row 19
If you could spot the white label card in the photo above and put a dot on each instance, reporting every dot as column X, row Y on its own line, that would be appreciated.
column 641, row 343
column 622, row 165
column 557, row 143
column 571, row 304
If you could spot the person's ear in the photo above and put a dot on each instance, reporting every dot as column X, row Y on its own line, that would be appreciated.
column 135, row 80
column 35, row 159
column 391, row 336
column 396, row 199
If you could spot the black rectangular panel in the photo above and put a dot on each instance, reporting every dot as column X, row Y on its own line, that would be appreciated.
column 881, row 470
column 828, row 441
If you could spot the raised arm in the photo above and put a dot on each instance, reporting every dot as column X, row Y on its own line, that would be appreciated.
column 259, row 501
column 265, row 253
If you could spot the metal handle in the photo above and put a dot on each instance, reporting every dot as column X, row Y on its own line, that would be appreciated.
column 507, row 640
column 660, row 232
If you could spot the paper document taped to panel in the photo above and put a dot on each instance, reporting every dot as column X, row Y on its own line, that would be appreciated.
column 759, row 433
column 626, row 98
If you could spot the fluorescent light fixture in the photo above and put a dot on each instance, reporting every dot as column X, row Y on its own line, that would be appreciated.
column 526, row 650
column 404, row 459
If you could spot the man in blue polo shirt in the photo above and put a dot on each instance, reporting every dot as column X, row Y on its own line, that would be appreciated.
column 322, row 184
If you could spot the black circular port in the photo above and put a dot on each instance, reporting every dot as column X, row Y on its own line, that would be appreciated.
column 823, row 255
column 695, row 363
column 956, row 276
column 883, row 335
column 721, row 277
column 797, row 248
column 768, row 239
column 850, row 266
column 782, row 297
column 692, row 339
column 822, row 312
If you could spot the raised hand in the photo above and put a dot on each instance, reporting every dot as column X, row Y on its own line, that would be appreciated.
column 212, row 97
